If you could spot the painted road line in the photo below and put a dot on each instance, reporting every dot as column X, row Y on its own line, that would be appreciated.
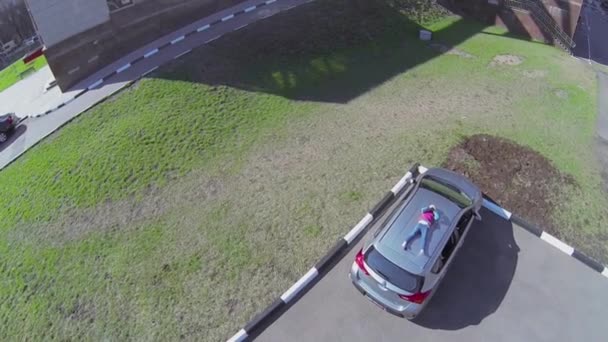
column 178, row 39
column 73, row 70
column 239, row 336
column 240, row 27
column 299, row 285
column 270, row 2
column 228, row 17
column 149, row 71
column 151, row 53
column 249, row 9
column 95, row 84
column 358, row 228
column 123, row 68
column 181, row 54
column 203, row 28
column 212, row 39
column 552, row 240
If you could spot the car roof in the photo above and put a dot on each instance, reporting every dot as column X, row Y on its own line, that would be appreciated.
column 404, row 221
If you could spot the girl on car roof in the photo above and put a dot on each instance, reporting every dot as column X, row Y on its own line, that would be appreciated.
column 428, row 216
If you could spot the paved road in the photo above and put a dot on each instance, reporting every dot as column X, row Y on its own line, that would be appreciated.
column 505, row 285
column 590, row 35
column 35, row 129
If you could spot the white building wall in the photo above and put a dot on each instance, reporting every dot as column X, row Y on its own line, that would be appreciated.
column 57, row 20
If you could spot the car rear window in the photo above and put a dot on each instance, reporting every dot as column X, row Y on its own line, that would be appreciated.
column 391, row 272
column 446, row 190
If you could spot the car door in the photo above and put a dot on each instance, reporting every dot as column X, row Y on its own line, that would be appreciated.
column 454, row 244
column 445, row 258
column 463, row 226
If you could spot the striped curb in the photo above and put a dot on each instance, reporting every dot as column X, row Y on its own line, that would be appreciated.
column 256, row 325
column 562, row 246
column 58, row 107
column 325, row 262
column 154, row 51
column 550, row 239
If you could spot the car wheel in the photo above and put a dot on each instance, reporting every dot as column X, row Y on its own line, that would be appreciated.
column 3, row 137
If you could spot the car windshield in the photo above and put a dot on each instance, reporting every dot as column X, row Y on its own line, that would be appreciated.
column 391, row 272
column 446, row 190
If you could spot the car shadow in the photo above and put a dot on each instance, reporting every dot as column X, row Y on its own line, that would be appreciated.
column 477, row 280
column 19, row 130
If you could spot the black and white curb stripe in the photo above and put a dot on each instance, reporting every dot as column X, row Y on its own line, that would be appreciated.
column 562, row 246
column 550, row 239
column 59, row 106
column 154, row 51
column 257, row 323
column 326, row 261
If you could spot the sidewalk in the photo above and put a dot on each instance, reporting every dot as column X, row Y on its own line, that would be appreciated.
column 140, row 62
column 28, row 97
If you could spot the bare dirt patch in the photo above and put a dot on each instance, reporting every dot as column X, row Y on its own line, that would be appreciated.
column 450, row 50
column 534, row 74
column 506, row 60
column 562, row 94
column 515, row 176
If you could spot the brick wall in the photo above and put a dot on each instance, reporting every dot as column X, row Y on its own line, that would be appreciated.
column 565, row 14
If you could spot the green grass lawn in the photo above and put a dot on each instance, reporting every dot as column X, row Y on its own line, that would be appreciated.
column 184, row 205
column 14, row 72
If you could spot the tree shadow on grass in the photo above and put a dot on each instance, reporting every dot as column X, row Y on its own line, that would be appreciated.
column 327, row 51
column 479, row 278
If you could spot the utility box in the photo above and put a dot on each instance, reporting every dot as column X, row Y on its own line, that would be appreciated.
column 425, row 35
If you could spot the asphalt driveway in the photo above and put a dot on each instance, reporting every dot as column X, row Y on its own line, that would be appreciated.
column 505, row 285
column 590, row 35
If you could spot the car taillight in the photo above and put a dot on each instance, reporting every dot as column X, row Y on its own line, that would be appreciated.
column 10, row 120
column 417, row 297
column 359, row 261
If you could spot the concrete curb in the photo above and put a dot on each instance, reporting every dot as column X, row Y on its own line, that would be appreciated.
column 262, row 319
column 58, row 107
column 562, row 246
column 155, row 50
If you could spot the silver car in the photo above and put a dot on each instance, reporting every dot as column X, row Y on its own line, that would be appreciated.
column 401, row 279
